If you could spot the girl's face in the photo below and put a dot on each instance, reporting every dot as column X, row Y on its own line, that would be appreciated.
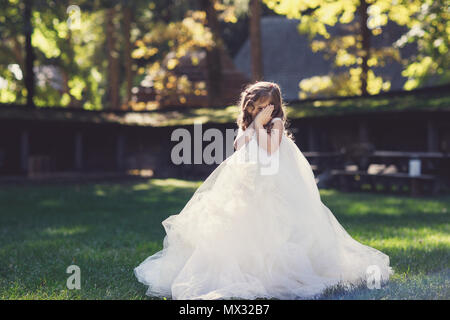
column 258, row 107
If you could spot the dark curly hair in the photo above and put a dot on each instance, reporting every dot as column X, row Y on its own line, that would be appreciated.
column 262, row 91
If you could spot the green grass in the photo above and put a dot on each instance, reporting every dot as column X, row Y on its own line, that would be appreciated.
column 108, row 229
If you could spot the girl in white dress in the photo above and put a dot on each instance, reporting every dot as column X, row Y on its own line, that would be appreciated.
column 256, row 227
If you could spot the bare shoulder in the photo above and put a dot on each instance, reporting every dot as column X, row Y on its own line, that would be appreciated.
column 278, row 125
column 277, row 119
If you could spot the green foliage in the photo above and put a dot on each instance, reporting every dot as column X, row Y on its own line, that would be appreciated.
column 11, row 55
column 431, row 32
column 163, row 45
column 74, row 54
column 163, row 31
column 428, row 23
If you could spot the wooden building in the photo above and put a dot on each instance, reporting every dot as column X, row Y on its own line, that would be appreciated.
column 46, row 142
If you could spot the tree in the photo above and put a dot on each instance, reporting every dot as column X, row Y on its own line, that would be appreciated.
column 70, row 44
column 127, row 18
column 365, row 44
column 83, row 66
column 193, row 29
column 255, row 40
column 430, row 29
column 29, row 54
column 360, row 21
column 113, row 58
column 12, row 52
column 67, row 59
column 213, row 58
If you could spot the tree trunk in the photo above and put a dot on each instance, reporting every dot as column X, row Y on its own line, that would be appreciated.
column 213, row 57
column 29, row 55
column 65, row 83
column 70, row 66
column 365, row 34
column 17, row 51
column 127, row 18
column 255, row 40
column 113, row 62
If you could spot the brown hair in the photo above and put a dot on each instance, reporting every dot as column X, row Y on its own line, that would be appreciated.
column 262, row 90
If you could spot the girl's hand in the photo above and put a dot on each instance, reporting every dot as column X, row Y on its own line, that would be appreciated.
column 264, row 116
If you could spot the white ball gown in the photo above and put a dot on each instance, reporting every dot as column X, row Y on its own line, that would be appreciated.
column 250, row 234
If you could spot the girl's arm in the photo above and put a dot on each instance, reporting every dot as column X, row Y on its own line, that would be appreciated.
column 245, row 137
column 270, row 142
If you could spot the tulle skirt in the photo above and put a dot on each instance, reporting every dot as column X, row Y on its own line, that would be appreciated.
column 257, row 228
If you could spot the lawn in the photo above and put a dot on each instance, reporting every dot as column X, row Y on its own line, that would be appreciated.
column 109, row 228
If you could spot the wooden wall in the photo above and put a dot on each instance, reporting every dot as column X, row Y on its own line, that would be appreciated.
column 79, row 147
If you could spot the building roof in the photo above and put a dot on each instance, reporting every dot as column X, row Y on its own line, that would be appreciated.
column 432, row 99
column 288, row 58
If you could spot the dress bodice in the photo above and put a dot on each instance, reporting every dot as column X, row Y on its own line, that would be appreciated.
column 240, row 131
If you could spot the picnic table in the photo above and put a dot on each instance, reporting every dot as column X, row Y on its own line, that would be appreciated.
column 431, row 162
column 322, row 161
column 427, row 179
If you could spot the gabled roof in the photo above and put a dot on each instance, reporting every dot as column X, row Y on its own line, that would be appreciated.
column 288, row 58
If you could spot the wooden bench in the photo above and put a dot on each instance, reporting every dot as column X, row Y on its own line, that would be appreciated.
column 430, row 161
column 392, row 182
column 322, row 161
column 410, row 154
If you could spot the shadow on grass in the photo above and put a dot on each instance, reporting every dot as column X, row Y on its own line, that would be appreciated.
column 420, row 286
